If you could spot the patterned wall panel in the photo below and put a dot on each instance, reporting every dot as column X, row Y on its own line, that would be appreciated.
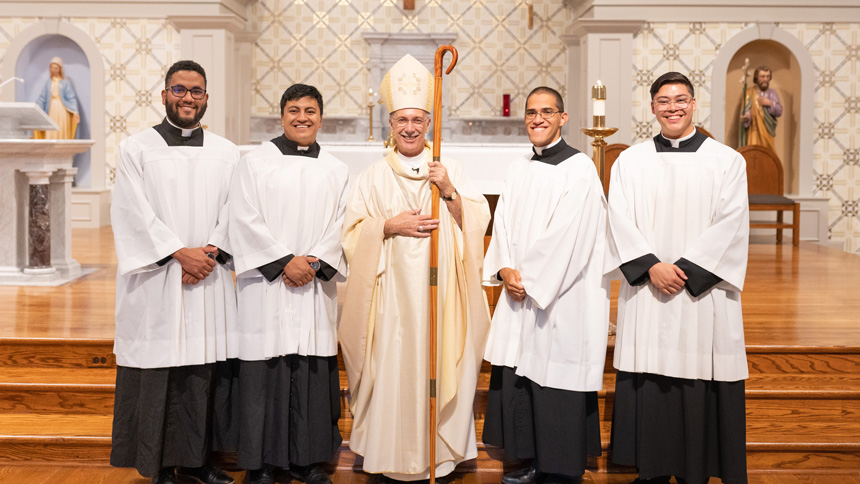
column 136, row 55
column 835, row 51
column 319, row 42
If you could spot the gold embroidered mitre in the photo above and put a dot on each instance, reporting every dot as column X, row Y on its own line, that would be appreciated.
column 408, row 84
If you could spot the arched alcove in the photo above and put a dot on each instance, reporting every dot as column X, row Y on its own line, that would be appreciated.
column 786, row 83
column 96, row 108
column 32, row 66
column 721, row 107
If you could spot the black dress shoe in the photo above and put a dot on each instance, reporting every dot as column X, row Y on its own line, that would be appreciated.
column 264, row 475
column 653, row 480
column 528, row 475
column 205, row 475
column 312, row 474
column 165, row 476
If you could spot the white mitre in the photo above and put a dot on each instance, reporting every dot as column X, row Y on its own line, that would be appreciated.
column 408, row 84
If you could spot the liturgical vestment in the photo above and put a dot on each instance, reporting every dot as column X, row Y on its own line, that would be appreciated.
column 384, row 326
column 550, row 225
column 167, row 198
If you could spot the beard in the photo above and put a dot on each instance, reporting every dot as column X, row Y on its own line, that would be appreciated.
column 184, row 123
column 762, row 85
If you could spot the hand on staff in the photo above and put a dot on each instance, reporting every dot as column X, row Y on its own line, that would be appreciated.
column 298, row 271
column 513, row 284
column 411, row 224
column 439, row 176
column 667, row 278
column 195, row 261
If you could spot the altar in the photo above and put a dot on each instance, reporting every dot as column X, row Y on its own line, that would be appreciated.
column 486, row 164
column 35, row 195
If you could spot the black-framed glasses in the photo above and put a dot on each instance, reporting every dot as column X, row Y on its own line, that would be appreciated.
column 179, row 91
column 546, row 114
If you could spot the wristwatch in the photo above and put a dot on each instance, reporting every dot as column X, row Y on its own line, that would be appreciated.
column 451, row 198
column 315, row 265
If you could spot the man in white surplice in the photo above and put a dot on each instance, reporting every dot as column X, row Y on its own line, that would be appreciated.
column 384, row 326
column 547, row 341
column 175, row 298
column 286, row 219
column 679, row 219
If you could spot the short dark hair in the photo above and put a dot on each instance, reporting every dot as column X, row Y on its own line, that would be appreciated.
column 184, row 65
column 298, row 91
column 671, row 78
column 559, row 102
column 761, row 69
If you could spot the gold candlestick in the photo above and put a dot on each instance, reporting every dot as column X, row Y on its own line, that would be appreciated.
column 370, row 113
column 370, row 110
column 598, row 132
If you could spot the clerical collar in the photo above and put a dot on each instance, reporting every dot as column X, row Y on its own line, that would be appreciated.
column 289, row 147
column 176, row 136
column 688, row 144
column 412, row 164
column 554, row 153
column 539, row 149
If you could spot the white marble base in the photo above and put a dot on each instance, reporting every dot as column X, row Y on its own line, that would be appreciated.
column 12, row 276
column 39, row 271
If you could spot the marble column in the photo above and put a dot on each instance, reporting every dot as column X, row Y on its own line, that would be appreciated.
column 61, row 222
column 39, row 224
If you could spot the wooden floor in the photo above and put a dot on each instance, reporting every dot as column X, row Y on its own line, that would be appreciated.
column 801, row 317
column 802, row 296
column 107, row 475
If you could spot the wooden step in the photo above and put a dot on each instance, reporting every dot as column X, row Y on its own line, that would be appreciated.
column 55, row 438
column 71, row 391
column 56, row 353
column 804, row 360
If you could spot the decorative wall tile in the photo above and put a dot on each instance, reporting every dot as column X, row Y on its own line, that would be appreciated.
column 319, row 42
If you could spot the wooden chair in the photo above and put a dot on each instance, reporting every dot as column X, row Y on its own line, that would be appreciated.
column 766, row 189
column 704, row 131
column 612, row 152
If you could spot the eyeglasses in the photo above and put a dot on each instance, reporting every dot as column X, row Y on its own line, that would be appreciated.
column 546, row 114
column 664, row 104
column 179, row 91
column 402, row 122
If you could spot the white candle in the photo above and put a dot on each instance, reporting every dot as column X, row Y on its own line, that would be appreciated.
column 599, row 107
column 370, row 94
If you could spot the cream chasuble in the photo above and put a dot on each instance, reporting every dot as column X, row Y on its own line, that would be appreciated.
column 681, row 205
column 167, row 198
column 282, row 205
column 550, row 224
column 384, row 325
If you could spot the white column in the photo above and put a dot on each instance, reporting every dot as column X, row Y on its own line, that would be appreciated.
column 211, row 42
column 600, row 50
column 61, row 222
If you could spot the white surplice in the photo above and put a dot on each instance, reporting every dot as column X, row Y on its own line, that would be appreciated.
column 550, row 224
column 674, row 205
column 167, row 198
column 282, row 205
